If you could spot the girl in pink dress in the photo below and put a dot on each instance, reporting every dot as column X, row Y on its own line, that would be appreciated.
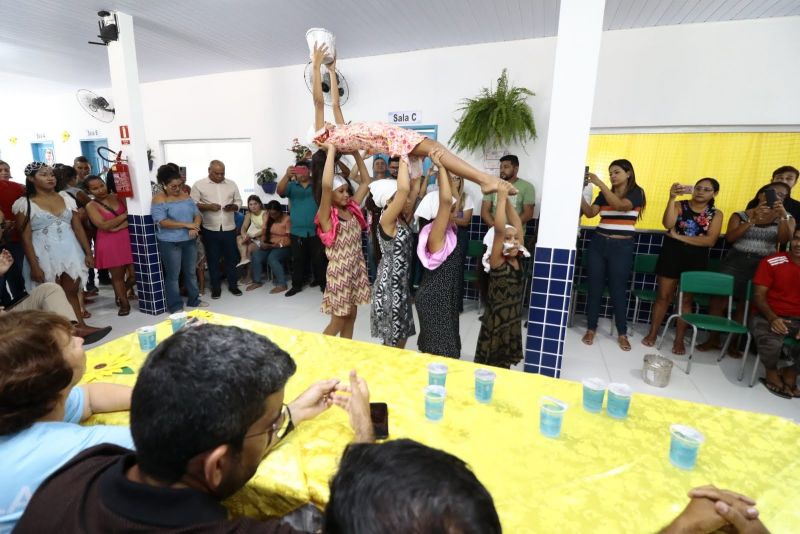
column 112, row 243
column 379, row 137
column 339, row 226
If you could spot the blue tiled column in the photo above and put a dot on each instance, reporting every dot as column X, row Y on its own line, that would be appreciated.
column 149, row 281
column 553, row 270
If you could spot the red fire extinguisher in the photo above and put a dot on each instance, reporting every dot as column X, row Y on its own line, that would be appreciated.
column 122, row 177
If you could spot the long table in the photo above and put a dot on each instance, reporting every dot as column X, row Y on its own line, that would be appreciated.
column 601, row 475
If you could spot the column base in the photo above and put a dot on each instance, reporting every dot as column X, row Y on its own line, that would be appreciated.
column 149, row 279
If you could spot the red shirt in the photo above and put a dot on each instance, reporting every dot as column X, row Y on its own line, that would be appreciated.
column 9, row 193
column 781, row 276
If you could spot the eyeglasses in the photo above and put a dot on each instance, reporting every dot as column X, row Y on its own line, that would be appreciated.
column 701, row 189
column 275, row 426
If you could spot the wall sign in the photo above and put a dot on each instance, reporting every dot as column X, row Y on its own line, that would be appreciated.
column 92, row 133
column 124, row 135
column 405, row 117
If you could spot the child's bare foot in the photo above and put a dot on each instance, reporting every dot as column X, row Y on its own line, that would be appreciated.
column 678, row 347
column 588, row 337
column 649, row 341
column 490, row 186
column 624, row 344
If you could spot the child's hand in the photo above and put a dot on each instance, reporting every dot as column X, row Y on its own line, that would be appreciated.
column 436, row 156
column 503, row 188
column 332, row 66
column 330, row 148
column 318, row 54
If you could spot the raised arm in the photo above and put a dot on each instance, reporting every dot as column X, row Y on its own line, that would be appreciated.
column 672, row 210
column 513, row 218
column 324, row 211
column 319, row 102
column 363, row 185
column 436, row 239
column 284, row 182
column 618, row 204
column 337, row 108
column 395, row 208
column 496, row 258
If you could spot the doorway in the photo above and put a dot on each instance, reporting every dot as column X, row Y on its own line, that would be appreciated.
column 44, row 151
column 89, row 151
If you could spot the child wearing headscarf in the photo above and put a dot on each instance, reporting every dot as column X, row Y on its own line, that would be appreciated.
column 392, row 318
column 500, row 337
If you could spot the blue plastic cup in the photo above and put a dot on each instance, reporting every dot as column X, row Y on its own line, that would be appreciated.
column 434, row 403
column 684, row 446
column 437, row 374
column 147, row 338
column 619, row 400
column 594, row 390
column 551, row 414
column 484, row 385
column 178, row 320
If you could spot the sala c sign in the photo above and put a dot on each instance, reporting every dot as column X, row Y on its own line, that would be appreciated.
column 405, row 117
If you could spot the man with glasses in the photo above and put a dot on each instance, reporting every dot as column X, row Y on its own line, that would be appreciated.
column 207, row 407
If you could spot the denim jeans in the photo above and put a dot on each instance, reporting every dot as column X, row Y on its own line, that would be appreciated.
column 221, row 245
column 275, row 258
column 179, row 257
column 610, row 263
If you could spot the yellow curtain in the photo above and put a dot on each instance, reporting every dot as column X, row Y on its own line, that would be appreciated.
column 741, row 162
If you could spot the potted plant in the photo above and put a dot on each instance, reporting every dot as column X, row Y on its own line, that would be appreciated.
column 495, row 118
column 266, row 179
column 298, row 149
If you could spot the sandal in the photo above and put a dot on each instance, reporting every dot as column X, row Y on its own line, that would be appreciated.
column 124, row 311
column 588, row 337
column 624, row 344
column 779, row 390
column 254, row 285
column 793, row 390
column 85, row 314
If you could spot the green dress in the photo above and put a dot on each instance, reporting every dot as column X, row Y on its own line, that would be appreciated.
column 500, row 338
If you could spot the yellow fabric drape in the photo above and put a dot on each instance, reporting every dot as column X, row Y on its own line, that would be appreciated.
column 602, row 475
column 741, row 162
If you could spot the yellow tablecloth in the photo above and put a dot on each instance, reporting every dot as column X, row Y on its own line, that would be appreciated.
column 602, row 475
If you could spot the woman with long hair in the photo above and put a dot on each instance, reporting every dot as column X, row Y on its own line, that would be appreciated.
column 611, row 248
column 693, row 226
column 274, row 247
column 55, row 244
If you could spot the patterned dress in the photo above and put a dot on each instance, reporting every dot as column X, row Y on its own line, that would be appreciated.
column 437, row 307
column 392, row 318
column 347, row 282
column 500, row 338
column 375, row 138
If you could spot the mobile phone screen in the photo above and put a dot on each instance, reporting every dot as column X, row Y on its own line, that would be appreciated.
column 771, row 197
column 379, row 413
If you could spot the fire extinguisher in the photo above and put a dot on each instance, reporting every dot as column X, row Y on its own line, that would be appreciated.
column 122, row 177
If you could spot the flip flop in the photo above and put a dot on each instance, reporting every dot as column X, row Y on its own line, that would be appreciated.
column 775, row 392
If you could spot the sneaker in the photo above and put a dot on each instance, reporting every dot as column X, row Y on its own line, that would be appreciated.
column 91, row 288
column 292, row 292
column 216, row 293
column 236, row 291
column 200, row 304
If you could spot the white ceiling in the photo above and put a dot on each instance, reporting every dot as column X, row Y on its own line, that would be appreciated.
column 48, row 38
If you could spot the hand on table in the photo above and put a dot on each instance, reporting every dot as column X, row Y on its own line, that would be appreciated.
column 357, row 407
column 711, row 509
column 313, row 401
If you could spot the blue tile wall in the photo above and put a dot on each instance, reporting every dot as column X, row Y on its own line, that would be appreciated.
column 553, row 271
column 149, row 280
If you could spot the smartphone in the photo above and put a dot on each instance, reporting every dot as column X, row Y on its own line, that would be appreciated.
column 182, row 172
column 687, row 189
column 771, row 196
column 585, row 176
column 300, row 170
column 379, row 413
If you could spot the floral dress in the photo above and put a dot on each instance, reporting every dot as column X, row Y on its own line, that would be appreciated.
column 375, row 138
column 677, row 257
column 391, row 317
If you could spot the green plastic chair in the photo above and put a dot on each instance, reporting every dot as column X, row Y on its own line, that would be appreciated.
column 708, row 283
column 643, row 264
column 788, row 342
column 703, row 300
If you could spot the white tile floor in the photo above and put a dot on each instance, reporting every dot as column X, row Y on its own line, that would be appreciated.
column 709, row 382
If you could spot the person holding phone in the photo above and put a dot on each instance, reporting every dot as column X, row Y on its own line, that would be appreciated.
column 218, row 199
column 754, row 234
column 693, row 226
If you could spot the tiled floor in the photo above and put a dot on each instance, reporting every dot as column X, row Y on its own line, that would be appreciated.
column 709, row 382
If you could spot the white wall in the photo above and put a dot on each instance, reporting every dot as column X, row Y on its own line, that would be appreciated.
column 732, row 73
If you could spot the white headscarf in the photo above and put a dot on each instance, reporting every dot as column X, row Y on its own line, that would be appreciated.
column 382, row 191
column 488, row 240
column 429, row 206
column 338, row 182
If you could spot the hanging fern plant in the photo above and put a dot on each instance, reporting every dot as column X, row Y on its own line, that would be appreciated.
column 495, row 118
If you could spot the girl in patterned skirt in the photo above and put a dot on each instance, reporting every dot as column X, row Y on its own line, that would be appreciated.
column 391, row 317
column 382, row 138
column 339, row 225
column 500, row 337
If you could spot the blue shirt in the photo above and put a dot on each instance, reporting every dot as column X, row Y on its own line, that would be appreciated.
column 303, row 207
column 181, row 211
column 29, row 456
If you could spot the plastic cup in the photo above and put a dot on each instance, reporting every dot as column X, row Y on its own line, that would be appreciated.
column 147, row 338
column 434, row 403
column 437, row 374
column 178, row 320
column 323, row 37
column 684, row 446
column 619, row 400
column 484, row 385
column 594, row 390
column 551, row 414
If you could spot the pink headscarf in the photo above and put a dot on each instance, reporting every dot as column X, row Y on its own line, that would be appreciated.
column 329, row 238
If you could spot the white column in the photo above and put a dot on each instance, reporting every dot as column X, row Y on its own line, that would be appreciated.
column 580, row 28
column 128, row 106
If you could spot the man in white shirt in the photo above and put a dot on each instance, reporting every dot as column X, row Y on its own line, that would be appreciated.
column 218, row 199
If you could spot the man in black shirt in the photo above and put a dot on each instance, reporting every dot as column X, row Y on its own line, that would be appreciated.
column 788, row 175
column 206, row 408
